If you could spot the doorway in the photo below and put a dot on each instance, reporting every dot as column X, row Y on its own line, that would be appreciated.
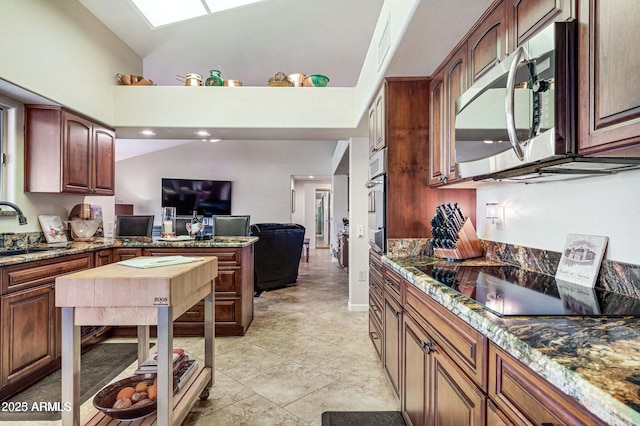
column 323, row 227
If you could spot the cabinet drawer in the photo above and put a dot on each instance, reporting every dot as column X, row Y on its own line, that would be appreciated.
column 375, row 334
column 31, row 274
column 226, row 257
column 229, row 281
column 375, row 262
column 465, row 345
column 375, row 286
column 228, row 311
column 526, row 398
column 193, row 314
column 375, row 309
column 393, row 284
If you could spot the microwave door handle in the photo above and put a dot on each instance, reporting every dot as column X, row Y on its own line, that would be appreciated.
column 509, row 103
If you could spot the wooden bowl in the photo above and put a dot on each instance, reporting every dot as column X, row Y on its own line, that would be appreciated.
column 105, row 399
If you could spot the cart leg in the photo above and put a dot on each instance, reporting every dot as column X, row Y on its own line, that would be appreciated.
column 143, row 343
column 209, row 334
column 165, row 365
column 70, row 368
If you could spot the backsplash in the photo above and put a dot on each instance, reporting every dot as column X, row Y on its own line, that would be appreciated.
column 403, row 247
column 20, row 240
column 617, row 277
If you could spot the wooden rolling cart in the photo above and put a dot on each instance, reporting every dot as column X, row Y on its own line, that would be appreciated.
column 121, row 295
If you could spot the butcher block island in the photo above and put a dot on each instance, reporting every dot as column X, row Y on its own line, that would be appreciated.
column 117, row 294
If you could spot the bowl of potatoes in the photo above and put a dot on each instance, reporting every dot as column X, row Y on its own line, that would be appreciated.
column 129, row 399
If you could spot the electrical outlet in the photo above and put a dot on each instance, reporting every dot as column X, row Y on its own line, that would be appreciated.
column 360, row 231
column 362, row 275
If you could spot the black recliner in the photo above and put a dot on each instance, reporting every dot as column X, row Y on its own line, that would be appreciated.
column 277, row 254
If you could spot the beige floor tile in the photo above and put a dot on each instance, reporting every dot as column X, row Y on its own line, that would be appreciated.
column 287, row 382
column 252, row 411
column 246, row 360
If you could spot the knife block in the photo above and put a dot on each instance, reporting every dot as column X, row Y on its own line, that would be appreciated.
column 466, row 247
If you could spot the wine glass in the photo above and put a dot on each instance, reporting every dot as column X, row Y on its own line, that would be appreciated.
column 194, row 228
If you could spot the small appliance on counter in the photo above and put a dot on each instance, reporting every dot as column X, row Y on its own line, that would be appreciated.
column 84, row 221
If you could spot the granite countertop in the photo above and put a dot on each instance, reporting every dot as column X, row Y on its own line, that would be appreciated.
column 594, row 360
column 75, row 247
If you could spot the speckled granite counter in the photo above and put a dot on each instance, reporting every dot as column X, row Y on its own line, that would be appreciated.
column 594, row 360
column 75, row 247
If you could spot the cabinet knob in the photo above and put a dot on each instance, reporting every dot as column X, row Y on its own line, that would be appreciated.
column 427, row 348
column 397, row 313
column 374, row 335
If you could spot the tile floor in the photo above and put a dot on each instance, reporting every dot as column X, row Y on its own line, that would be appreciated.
column 304, row 354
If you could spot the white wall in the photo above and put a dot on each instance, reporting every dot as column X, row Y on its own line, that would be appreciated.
column 541, row 215
column 58, row 49
column 260, row 170
column 358, row 247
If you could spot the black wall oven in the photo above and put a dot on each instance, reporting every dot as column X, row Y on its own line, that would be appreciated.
column 377, row 201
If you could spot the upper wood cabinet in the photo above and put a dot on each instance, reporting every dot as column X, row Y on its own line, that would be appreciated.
column 377, row 117
column 487, row 44
column 67, row 153
column 608, row 93
column 447, row 85
column 527, row 17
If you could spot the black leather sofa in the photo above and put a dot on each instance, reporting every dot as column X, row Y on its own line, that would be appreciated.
column 277, row 254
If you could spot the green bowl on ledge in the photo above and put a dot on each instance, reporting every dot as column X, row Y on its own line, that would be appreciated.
column 316, row 80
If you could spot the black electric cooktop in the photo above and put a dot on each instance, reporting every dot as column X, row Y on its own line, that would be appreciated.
column 508, row 290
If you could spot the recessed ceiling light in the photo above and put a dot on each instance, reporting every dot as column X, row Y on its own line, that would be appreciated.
column 311, row 177
column 147, row 133
column 203, row 133
column 214, row 140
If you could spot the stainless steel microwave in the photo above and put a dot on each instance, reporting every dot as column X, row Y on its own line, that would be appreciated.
column 519, row 121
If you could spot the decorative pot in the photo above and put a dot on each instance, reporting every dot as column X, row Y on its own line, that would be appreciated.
column 214, row 79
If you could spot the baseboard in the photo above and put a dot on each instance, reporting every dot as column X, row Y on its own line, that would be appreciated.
column 359, row 307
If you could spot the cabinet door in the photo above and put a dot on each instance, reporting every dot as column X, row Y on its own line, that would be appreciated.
column 392, row 324
column 76, row 153
column 28, row 332
column 103, row 257
column 414, row 398
column 609, row 98
column 455, row 85
column 126, row 253
column 381, row 140
column 456, row 399
column 488, row 43
column 103, row 159
column 372, row 131
column 530, row 16
column 437, row 127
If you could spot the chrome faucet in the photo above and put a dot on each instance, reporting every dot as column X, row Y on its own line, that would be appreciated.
column 22, row 220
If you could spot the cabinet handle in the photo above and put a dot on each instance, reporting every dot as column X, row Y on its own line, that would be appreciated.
column 374, row 335
column 397, row 313
column 192, row 312
column 427, row 347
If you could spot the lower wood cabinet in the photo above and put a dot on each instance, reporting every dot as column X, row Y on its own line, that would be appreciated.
column 447, row 373
column 524, row 398
column 30, row 332
column 233, row 291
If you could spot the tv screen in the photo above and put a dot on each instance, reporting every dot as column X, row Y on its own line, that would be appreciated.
column 207, row 197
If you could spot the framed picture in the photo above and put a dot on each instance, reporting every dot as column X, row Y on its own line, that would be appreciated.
column 53, row 229
column 293, row 201
column 581, row 259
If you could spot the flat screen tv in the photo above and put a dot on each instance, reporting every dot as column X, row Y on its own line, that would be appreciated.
column 208, row 197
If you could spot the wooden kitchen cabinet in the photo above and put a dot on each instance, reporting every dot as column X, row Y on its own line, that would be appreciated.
column 377, row 117
column 103, row 257
column 30, row 329
column 609, row 98
column 487, row 44
column 447, row 85
column 527, row 17
column 233, row 291
column 67, row 153
column 525, row 398
column 126, row 253
column 376, row 302
column 435, row 390
column 392, row 329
